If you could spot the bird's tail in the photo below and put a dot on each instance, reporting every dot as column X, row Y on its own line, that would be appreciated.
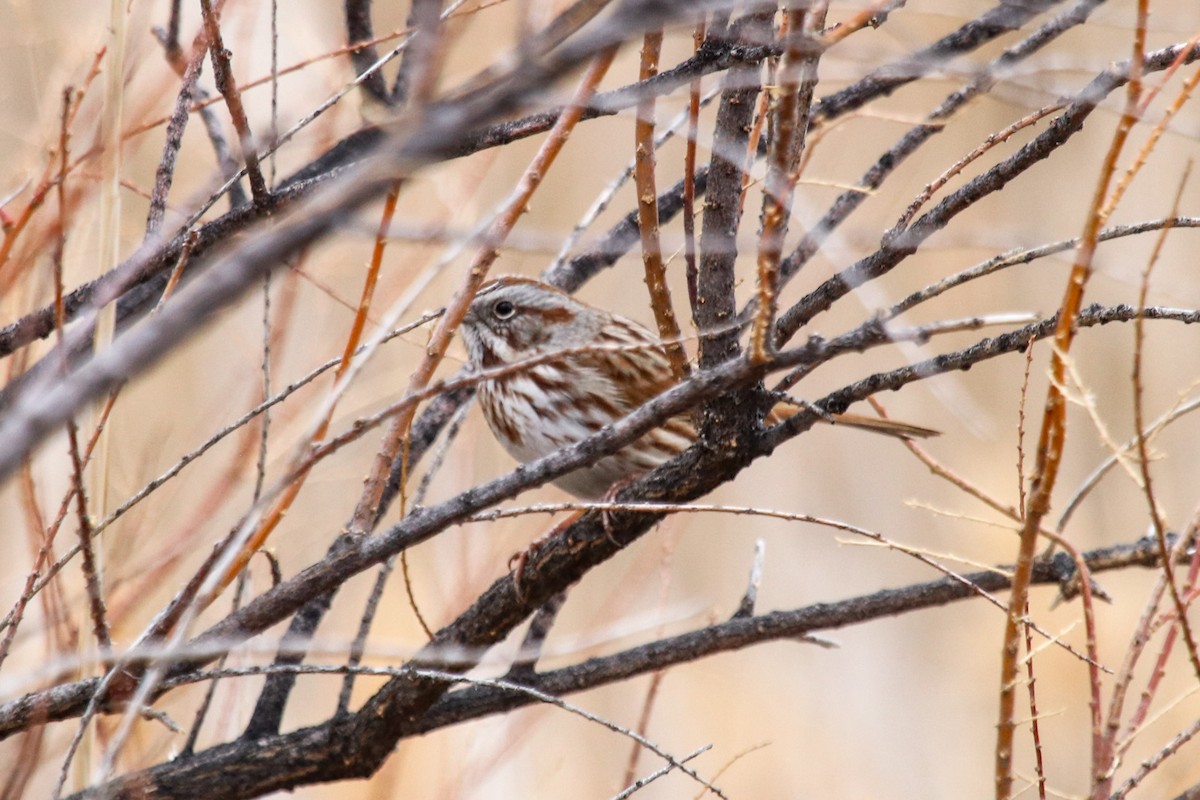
column 888, row 427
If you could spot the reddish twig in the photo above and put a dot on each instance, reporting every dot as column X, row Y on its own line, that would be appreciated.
column 1051, row 443
column 958, row 166
column 647, row 206
column 1108, row 747
column 366, row 512
column 789, row 103
column 13, row 227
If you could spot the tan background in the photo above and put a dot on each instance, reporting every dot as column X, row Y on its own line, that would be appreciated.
column 903, row 707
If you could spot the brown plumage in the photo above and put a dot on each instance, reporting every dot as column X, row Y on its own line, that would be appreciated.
column 609, row 366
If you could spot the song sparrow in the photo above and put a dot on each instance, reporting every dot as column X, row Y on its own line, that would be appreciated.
column 613, row 366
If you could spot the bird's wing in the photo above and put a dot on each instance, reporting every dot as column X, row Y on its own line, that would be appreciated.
column 634, row 360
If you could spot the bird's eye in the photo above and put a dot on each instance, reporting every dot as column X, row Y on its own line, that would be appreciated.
column 504, row 309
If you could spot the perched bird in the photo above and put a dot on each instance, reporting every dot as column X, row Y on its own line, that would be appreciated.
column 608, row 366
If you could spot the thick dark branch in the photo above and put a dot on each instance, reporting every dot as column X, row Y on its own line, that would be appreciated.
column 474, row 702
column 360, row 29
column 714, row 56
column 146, row 264
column 269, row 708
column 346, row 747
column 716, row 304
column 420, row 57
column 567, row 557
column 736, row 415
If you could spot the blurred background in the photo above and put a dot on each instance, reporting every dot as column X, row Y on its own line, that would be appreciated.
column 902, row 707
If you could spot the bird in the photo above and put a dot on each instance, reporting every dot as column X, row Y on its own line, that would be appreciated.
column 590, row 368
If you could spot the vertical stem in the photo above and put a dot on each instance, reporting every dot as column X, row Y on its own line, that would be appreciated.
column 788, row 109
column 647, row 210
column 1052, row 440
column 689, row 178
column 716, row 307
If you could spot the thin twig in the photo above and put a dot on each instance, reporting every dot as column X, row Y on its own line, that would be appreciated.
column 647, row 206
column 689, row 179
column 750, row 597
column 1157, row 520
column 227, row 86
column 789, row 106
column 715, row 304
column 957, row 167
column 1051, row 446
column 514, row 207
column 90, row 567
column 640, row 783
column 165, row 174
